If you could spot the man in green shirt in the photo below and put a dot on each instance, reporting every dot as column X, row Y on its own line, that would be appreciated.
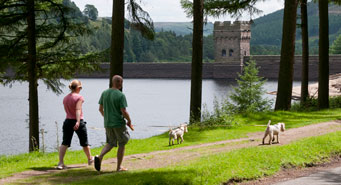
column 112, row 106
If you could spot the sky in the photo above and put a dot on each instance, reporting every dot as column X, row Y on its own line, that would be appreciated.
column 171, row 11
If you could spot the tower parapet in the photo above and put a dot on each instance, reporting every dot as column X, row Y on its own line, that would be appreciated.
column 232, row 41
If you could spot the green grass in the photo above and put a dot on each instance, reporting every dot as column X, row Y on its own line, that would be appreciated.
column 17, row 163
column 237, row 165
column 291, row 119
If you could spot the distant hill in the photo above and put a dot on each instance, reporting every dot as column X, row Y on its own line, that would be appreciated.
column 267, row 30
column 181, row 28
column 172, row 41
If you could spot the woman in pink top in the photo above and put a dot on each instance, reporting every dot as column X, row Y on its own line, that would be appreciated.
column 74, row 123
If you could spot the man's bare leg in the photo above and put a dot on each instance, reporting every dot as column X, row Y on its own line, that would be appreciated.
column 120, row 155
column 104, row 151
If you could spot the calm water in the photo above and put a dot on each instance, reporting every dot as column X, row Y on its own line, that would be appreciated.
column 151, row 103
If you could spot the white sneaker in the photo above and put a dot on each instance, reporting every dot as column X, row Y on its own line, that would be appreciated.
column 61, row 166
column 91, row 161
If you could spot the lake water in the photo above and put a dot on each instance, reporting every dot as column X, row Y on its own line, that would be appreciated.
column 153, row 104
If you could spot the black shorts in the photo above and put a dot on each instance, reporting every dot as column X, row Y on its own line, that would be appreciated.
column 68, row 132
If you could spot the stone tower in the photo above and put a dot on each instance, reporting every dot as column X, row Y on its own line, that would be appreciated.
column 232, row 41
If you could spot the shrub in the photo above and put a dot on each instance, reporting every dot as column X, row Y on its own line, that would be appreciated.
column 220, row 116
column 248, row 95
column 311, row 104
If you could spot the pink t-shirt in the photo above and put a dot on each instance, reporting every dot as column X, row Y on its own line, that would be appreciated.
column 70, row 102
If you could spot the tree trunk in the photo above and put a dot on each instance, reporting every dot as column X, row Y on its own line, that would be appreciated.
column 196, row 75
column 284, row 89
column 323, row 90
column 305, row 52
column 32, row 79
column 117, row 39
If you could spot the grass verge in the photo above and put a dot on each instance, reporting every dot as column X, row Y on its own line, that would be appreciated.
column 35, row 161
column 234, row 166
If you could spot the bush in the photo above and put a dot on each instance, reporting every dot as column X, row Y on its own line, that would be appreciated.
column 220, row 116
column 246, row 98
column 248, row 95
column 311, row 104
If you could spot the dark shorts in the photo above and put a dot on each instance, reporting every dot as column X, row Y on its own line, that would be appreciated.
column 118, row 136
column 68, row 132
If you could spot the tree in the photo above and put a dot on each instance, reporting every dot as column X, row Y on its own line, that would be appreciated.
column 305, row 52
column 247, row 96
column 285, row 78
column 217, row 8
column 198, row 9
column 323, row 79
column 32, row 77
column 117, row 40
column 34, row 43
column 91, row 12
column 336, row 46
column 140, row 20
column 196, row 74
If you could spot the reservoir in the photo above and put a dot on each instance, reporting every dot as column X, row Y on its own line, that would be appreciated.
column 154, row 106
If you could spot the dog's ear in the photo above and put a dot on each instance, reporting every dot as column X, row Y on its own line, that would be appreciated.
column 282, row 127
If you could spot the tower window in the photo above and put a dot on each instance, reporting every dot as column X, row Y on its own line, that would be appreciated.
column 231, row 52
column 223, row 53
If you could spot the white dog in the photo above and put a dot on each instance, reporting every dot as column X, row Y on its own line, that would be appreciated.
column 177, row 133
column 272, row 130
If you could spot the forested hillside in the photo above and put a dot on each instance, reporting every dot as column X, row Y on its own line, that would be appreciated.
column 173, row 40
column 267, row 30
column 166, row 47
column 181, row 28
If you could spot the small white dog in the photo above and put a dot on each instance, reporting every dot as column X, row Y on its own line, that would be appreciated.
column 273, row 130
column 177, row 133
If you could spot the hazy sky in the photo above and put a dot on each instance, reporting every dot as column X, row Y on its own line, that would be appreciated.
column 170, row 10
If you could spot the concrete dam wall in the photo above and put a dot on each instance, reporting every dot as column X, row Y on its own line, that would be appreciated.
column 268, row 68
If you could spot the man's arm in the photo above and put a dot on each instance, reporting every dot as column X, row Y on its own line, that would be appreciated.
column 127, row 117
column 101, row 109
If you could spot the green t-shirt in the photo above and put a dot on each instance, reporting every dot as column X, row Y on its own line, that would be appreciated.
column 112, row 101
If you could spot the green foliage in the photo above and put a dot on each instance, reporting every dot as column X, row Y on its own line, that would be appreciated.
column 267, row 30
column 220, row 116
column 336, row 46
column 229, row 167
column 140, row 20
column 311, row 104
column 166, row 47
column 182, row 28
column 265, row 49
column 172, row 42
column 247, row 96
column 196, row 135
column 218, row 8
column 91, row 12
column 57, row 26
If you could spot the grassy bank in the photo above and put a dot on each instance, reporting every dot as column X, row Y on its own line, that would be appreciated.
column 196, row 135
column 234, row 166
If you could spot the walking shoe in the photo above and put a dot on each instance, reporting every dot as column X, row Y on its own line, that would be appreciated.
column 61, row 167
column 90, row 161
column 97, row 163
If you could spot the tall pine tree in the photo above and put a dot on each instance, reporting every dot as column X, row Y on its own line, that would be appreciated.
column 35, row 40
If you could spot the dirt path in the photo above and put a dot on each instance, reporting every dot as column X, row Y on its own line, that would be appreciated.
column 165, row 158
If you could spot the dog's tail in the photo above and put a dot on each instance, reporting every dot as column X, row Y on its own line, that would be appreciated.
column 269, row 123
